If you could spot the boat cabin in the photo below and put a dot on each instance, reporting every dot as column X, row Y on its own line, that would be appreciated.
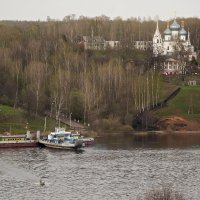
column 60, row 135
column 9, row 137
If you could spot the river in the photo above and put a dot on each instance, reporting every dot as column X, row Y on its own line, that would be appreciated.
column 122, row 168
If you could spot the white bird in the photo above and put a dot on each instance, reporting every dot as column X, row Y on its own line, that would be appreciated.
column 42, row 182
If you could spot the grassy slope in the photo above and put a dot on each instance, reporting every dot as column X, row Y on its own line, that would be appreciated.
column 186, row 104
column 15, row 120
column 187, row 100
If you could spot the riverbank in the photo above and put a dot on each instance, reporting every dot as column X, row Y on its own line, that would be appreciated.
column 177, row 124
column 162, row 133
column 141, row 133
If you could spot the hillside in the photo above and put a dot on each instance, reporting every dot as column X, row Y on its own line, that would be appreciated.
column 44, row 67
column 181, row 113
column 183, row 110
column 16, row 121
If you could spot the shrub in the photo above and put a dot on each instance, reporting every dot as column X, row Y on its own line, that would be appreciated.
column 165, row 193
column 109, row 125
column 5, row 100
column 126, row 128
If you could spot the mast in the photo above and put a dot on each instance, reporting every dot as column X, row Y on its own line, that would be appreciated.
column 45, row 124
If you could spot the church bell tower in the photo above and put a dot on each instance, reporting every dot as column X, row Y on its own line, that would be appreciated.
column 157, row 42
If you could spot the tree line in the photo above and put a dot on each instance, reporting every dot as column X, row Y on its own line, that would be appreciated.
column 43, row 70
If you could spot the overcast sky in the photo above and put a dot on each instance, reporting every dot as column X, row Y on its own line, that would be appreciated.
column 58, row 9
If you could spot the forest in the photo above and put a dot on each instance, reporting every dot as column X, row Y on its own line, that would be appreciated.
column 43, row 70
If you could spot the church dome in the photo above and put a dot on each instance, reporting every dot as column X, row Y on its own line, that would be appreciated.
column 175, row 26
column 167, row 31
column 182, row 31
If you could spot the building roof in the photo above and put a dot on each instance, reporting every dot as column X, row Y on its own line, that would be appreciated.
column 175, row 26
column 167, row 31
column 157, row 32
column 97, row 39
column 182, row 31
column 170, row 60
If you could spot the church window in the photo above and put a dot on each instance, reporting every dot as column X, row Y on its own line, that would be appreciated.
column 168, row 48
column 157, row 40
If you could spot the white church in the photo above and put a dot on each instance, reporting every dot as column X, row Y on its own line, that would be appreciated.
column 176, row 38
column 176, row 41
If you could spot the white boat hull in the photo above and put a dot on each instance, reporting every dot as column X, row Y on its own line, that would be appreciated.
column 65, row 145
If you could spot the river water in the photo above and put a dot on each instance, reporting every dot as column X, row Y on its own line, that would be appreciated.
column 115, row 168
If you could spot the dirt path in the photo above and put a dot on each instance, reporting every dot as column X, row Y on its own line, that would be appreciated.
column 73, row 124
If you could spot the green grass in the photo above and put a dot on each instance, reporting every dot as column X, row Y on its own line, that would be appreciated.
column 17, row 121
column 185, row 104
column 166, row 89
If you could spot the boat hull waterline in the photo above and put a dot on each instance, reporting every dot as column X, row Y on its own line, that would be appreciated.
column 64, row 145
column 18, row 144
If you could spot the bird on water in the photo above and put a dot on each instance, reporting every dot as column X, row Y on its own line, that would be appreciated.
column 42, row 182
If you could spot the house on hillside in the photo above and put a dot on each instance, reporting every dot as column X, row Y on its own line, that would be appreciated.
column 192, row 82
column 94, row 43
column 172, row 66
column 143, row 45
column 113, row 44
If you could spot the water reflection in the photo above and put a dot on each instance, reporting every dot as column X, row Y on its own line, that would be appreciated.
column 149, row 141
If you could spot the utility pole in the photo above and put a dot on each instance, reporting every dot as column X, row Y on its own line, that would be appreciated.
column 70, row 119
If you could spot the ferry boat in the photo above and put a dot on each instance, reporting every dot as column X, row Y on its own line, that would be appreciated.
column 61, row 139
column 8, row 140
column 87, row 141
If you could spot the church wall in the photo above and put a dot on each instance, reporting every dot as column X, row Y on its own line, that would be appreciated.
column 183, row 37
column 174, row 35
column 167, row 37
